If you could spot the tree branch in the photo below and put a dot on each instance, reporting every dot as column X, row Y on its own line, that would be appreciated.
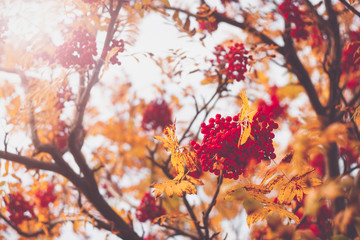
column 351, row 8
column 193, row 217
column 29, row 162
column 212, row 204
column 179, row 231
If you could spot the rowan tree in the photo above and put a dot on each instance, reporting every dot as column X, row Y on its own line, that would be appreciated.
column 264, row 126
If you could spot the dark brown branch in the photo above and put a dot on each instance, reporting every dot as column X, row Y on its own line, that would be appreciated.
column 30, row 163
column 212, row 204
column 334, row 63
column 246, row 27
column 193, row 217
column 301, row 73
column 179, row 231
column 351, row 8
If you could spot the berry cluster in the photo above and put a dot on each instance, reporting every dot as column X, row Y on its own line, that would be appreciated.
column 219, row 149
column 157, row 115
column 20, row 210
column 206, row 19
column 353, row 83
column 351, row 53
column 114, row 43
column 46, row 196
column 292, row 14
column 79, row 50
column 274, row 109
column 148, row 209
column 235, row 60
column 318, row 162
column 320, row 225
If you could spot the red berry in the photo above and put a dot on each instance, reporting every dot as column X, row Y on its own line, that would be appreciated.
column 20, row 210
column 149, row 209
column 46, row 196
column 220, row 144
column 157, row 115
column 290, row 9
column 78, row 50
column 235, row 60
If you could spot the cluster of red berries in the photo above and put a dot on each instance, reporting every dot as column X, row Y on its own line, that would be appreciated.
column 220, row 150
column 353, row 83
column 206, row 25
column 114, row 43
column 274, row 109
column 46, row 196
column 318, row 162
column 320, row 225
column 292, row 14
column 351, row 53
column 235, row 60
column 148, row 209
column 80, row 50
column 157, row 114
column 20, row 210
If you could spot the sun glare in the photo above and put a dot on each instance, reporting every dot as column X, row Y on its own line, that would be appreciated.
column 30, row 19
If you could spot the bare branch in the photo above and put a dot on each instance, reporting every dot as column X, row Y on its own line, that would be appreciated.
column 212, row 204
column 351, row 8
column 29, row 162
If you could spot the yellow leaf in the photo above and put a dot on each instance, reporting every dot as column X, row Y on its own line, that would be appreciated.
column 286, row 194
column 245, row 106
column 296, row 186
column 7, row 163
column 256, row 216
column 194, row 180
column 178, row 163
column 170, row 218
column 244, row 135
column 172, row 187
column 275, row 181
column 210, row 79
column 16, row 177
column 188, row 158
column 269, row 174
column 2, row 183
column 171, row 143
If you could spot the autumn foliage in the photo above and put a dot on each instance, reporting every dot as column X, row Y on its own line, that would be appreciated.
column 247, row 127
